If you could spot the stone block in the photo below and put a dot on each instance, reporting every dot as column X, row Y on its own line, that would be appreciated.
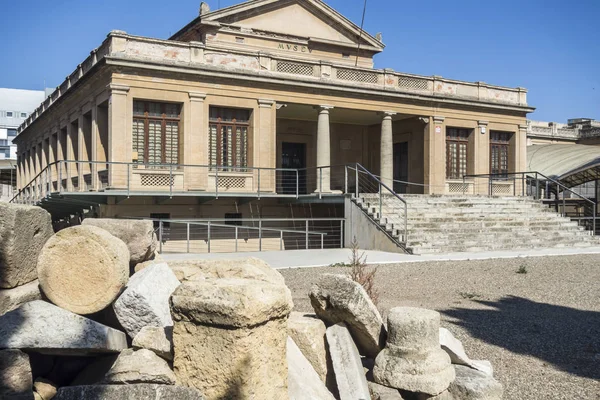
column 308, row 333
column 13, row 298
column 15, row 375
column 413, row 359
column 155, row 339
column 244, row 268
column 229, row 338
column 45, row 328
column 139, row 366
column 380, row 392
column 138, row 235
column 145, row 301
column 471, row 384
column 83, row 269
column 337, row 298
column 456, row 351
column 347, row 365
column 45, row 388
column 128, row 392
column 303, row 381
column 23, row 232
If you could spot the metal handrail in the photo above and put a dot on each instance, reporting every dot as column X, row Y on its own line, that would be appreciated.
column 537, row 174
column 236, row 228
column 363, row 170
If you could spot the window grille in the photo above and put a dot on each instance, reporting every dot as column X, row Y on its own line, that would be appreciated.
column 456, row 152
column 156, row 132
column 499, row 142
column 228, row 144
column 405, row 82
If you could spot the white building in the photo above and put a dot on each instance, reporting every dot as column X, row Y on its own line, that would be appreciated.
column 15, row 107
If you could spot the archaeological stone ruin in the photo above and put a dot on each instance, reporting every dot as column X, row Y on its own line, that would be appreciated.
column 92, row 312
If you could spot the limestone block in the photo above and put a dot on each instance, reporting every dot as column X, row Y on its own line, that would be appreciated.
column 128, row 392
column 48, row 329
column 380, row 392
column 349, row 373
column 155, row 339
column 145, row 301
column 308, row 333
column 229, row 338
column 45, row 388
column 247, row 268
column 83, row 269
column 138, row 235
column 139, row 366
column 413, row 359
column 337, row 298
column 471, row 384
column 15, row 375
column 303, row 381
column 13, row 298
column 23, row 232
column 456, row 351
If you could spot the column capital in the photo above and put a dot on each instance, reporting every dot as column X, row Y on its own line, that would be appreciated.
column 438, row 119
column 265, row 103
column 197, row 96
column 424, row 120
column 523, row 127
column 482, row 123
column 388, row 114
column 118, row 89
column 324, row 108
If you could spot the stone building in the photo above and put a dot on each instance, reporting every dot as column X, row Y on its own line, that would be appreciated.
column 258, row 104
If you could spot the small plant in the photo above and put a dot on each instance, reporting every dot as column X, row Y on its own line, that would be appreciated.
column 469, row 295
column 361, row 273
column 522, row 269
column 339, row 265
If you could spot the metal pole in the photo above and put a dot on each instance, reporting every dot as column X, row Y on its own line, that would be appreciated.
column 236, row 239
column 188, row 237
column 216, row 181
column 320, row 181
column 128, row 180
column 322, row 236
column 297, row 184
column 345, row 179
column 594, row 219
column 208, row 237
column 171, row 180
column 490, row 186
column 259, row 235
column 60, row 176
column 356, row 171
column 160, row 235
column 280, row 240
column 564, row 202
column 258, row 189
column 341, row 234
column 380, row 201
column 306, row 234
column 523, row 177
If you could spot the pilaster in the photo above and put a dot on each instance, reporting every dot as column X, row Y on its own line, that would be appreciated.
column 119, row 143
column 434, row 155
column 265, row 141
column 195, row 142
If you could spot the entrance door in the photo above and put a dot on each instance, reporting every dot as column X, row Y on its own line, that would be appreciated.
column 293, row 155
column 400, row 166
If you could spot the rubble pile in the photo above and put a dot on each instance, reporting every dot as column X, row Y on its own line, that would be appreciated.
column 91, row 313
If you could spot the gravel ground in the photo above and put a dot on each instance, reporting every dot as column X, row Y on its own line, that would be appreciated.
column 540, row 329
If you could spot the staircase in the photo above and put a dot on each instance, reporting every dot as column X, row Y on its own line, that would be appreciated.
column 445, row 224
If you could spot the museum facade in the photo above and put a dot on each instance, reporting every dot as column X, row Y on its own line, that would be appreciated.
column 262, row 101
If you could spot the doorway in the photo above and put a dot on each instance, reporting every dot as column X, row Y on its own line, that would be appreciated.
column 400, row 167
column 293, row 156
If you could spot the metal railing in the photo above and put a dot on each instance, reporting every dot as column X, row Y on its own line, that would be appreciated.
column 245, row 235
column 67, row 176
column 541, row 187
column 391, row 209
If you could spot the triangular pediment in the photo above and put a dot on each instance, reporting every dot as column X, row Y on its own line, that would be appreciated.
column 298, row 18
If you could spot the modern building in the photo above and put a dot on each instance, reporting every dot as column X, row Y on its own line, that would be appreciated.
column 15, row 106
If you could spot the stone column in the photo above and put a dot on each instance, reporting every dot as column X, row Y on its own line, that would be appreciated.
column 387, row 150
column 70, row 156
column 265, row 145
column 94, row 146
column 434, row 155
column 323, row 176
column 229, row 338
column 119, row 149
column 81, row 151
column 195, row 143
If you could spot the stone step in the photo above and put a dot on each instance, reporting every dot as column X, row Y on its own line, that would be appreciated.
column 495, row 247
column 448, row 239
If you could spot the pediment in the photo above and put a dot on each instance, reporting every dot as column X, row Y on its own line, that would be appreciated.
column 297, row 18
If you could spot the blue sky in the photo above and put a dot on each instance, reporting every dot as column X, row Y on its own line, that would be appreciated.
column 550, row 47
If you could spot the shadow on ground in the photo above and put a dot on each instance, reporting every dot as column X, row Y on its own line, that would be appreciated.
column 567, row 338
